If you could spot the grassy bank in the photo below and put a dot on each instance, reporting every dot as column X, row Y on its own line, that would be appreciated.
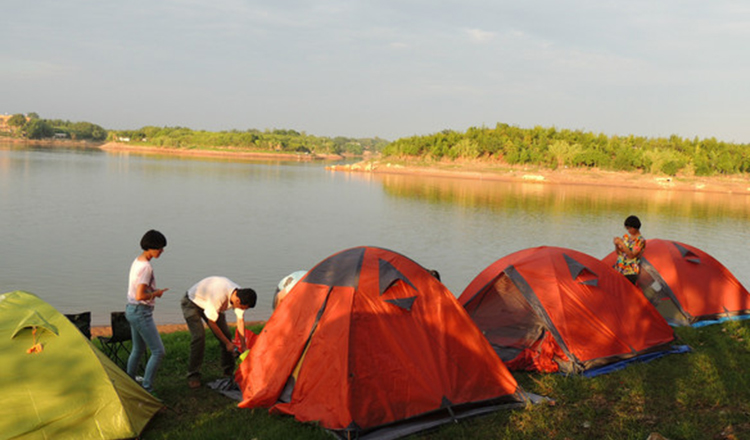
column 701, row 395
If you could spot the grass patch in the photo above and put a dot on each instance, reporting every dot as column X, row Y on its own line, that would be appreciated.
column 701, row 395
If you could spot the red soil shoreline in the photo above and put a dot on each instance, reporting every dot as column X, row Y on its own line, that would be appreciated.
column 479, row 170
column 487, row 170
column 105, row 330
column 620, row 179
column 228, row 152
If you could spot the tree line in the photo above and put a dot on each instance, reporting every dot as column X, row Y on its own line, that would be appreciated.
column 539, row 146
column 280, row 140
column 31, row 126
column 554, row 148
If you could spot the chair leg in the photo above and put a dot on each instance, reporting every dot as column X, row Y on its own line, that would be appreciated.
column 116, row 355
column 111, row 350
column 122, row 360
column 119, row 352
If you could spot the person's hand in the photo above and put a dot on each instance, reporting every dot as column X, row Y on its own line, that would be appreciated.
column 229, row 346
column 160, row 292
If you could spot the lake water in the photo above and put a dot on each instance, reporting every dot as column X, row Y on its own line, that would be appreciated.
column 72, row 219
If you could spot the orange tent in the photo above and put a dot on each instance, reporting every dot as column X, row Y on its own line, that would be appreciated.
column 554, row 309
column 689, row 286
column 368, row 339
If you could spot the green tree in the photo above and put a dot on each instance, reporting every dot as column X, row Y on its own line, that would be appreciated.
column 38, row 129
column 17, row 121
column 562, row 153
column 465, row 148
column 664, row 161
column 626, row 158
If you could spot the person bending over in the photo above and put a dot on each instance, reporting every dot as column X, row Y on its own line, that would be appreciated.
column 207, row 301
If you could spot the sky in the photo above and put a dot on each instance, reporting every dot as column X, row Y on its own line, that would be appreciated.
column 385, row 68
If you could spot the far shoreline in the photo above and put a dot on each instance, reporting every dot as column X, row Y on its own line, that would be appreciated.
column 486, row 170
column 482, row 170
column 226, row 152
column 219, row 152
column 477, row 170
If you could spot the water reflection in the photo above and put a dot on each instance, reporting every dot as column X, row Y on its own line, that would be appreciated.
column 71, row 220
column 581, row 217
column 554, row 199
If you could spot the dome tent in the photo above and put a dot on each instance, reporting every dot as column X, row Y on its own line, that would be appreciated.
column 66, row 388
column 554, row 309
column 688, row 286
column 371, row 345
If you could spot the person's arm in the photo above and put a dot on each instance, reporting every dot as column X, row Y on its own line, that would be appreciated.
column 241, row 329
column 219, row 334
column 145, row 293
column 638, row 247
column 635, row 252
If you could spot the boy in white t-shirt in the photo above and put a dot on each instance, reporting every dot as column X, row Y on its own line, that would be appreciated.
column 207, row 301
column 139, row 310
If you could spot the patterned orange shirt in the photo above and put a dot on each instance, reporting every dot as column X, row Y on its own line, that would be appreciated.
column 630, row 266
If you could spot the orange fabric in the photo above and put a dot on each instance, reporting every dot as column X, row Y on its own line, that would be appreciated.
column 250, row 337
column 702, row 285
column 608, row 319
column 264, row 372
column 371, row 362
column 539, row 357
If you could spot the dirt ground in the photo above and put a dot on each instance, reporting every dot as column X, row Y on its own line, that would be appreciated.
column 490, row 171
column 223, row 153
column 106, row 330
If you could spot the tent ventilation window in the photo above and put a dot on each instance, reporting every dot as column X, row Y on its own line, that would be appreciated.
column 687, row 255
column 581, row 273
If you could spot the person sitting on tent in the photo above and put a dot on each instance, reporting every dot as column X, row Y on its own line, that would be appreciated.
column 207, row 300
column 629, row 249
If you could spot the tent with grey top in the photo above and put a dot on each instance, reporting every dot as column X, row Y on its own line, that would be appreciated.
column 688, row 286
column 371, row 345
column 555, row 309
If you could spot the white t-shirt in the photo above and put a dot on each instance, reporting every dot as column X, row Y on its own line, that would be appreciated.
column 212, row 295
column 141, row 272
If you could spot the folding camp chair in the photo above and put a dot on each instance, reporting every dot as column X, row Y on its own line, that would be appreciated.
column 114, row 346
column 82, row 321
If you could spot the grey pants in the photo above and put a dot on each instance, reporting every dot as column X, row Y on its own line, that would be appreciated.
column 194, row 318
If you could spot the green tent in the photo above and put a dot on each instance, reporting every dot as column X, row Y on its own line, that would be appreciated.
column 66, row 388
